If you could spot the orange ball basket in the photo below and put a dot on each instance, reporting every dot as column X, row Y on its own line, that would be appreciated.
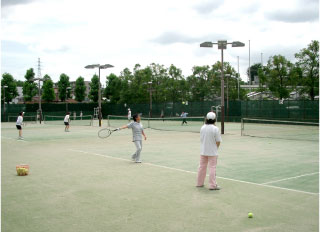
column 26, row 166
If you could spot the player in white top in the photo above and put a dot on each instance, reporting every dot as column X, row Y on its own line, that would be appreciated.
column 67, row 122
column 210, row 141
column 19, row 124
column 129, row 115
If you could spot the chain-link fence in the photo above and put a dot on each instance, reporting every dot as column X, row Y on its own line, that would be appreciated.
column 234, row 110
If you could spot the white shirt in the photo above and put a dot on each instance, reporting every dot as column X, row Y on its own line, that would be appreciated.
column 209, row 135
column 66, row 118
column 19, row 120
column 129, row 114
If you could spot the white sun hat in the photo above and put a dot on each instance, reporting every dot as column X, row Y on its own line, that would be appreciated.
column 211, row 116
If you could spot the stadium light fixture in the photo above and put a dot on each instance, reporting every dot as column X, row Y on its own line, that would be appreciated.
column 222, row 45
column 104, row 66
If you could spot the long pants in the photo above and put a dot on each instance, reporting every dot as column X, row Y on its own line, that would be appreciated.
column 184, row 121
column 204, row 161
column 136, row 156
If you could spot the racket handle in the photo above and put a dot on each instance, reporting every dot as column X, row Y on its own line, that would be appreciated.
column 118, row 129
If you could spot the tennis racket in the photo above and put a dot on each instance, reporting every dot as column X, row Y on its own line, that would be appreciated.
column 106, row 132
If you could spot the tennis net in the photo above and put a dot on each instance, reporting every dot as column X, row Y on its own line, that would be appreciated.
column 85, row 120
column 290, row 130
column 193, row 124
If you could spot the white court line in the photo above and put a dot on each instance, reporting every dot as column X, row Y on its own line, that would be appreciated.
column 289, row 178
column 14, row 139
column 181, row 170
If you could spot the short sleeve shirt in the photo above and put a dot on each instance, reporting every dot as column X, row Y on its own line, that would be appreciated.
column 66, row 118
column 19, row 120
column 209, row 135
column 137, row 129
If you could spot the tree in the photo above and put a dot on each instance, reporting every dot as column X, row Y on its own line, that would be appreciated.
column 113, row 88
column 10, row 92
column 254, row 70
column 308, row 63
column 94, row 88
column 29, row 87
column 278, row 75
column 63, row 84
column 80, row 89
column 19, row 83
column 47, row 89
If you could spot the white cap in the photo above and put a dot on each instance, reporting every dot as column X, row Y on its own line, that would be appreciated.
column 211, row 116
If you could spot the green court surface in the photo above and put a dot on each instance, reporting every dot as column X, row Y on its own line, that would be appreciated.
column 79, row 182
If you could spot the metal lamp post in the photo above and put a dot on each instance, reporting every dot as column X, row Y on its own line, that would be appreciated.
column 4, row 102
column 39, row 98
column 67, row 109
column 105, row 66
column 222, row 45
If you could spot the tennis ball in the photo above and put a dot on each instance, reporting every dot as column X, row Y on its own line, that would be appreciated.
column 250, row 215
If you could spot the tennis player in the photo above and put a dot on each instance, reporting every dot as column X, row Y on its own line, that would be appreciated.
column 184, row 118
column 19, row 124
column 210, row 141
column 67, row 122
column 129, row 115
column 137, row 133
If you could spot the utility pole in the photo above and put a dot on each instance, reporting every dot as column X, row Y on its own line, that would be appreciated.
column 150, row 90
column 238, row 80
column 249, row 68
column 39, row 89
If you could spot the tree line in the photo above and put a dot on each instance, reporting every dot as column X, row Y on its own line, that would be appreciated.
column 279, row 76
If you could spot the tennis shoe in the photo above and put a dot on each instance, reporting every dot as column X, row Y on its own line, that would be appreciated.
column 138, row 161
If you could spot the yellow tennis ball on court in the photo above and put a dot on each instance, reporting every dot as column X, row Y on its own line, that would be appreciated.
column 250, row 215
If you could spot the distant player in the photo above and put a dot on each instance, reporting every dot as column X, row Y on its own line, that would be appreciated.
column 74, row 115
column 162, row 115
column 184, row 118
column 137, row 133
column 210, row 139
column 67, row 122
column 19, row 124
column 129, row 115
column 81, row 114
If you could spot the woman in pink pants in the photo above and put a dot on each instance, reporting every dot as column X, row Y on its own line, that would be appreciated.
column 210, row 141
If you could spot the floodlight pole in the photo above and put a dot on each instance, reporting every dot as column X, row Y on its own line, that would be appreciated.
column 105, row 66
column 99, row 100
column 4, row 102
column 222, row 44
column 222, row 93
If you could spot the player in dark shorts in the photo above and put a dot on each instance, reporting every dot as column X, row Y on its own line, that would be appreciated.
column 184, row 118
column 19, row 124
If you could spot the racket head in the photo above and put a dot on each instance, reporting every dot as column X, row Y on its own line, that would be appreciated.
column 104, row 133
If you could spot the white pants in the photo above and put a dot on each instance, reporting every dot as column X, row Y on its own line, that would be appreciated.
column 136, row 156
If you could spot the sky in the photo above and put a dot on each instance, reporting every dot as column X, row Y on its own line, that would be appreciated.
column 70, row 34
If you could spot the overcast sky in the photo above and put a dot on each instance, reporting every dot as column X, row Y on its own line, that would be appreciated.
column 69, row 34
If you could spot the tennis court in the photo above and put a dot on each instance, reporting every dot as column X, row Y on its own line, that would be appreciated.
column 79, row 182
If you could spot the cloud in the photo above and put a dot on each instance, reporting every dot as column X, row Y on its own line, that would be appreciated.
column 60, row 49
column 5, row 3
column 175, row 37
column 303, row 12
column 206, row 7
